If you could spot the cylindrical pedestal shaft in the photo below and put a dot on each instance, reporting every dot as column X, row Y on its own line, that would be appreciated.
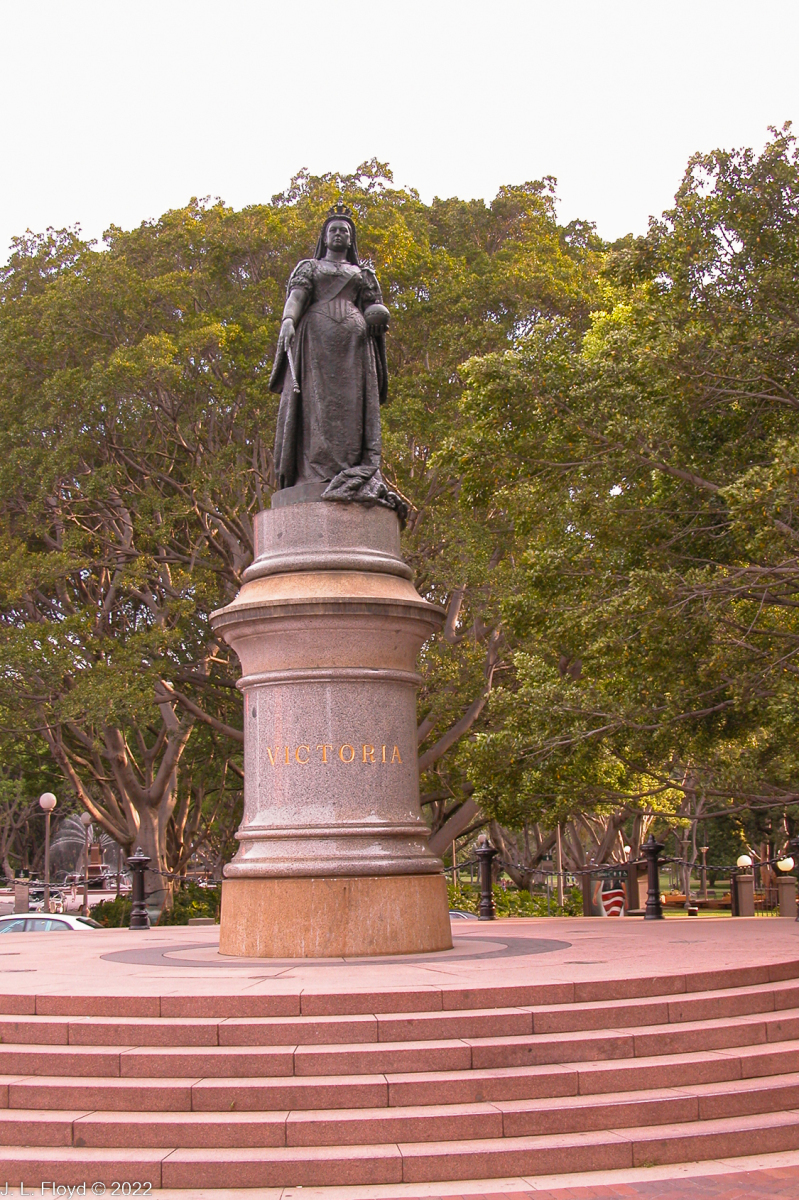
column 327, row 628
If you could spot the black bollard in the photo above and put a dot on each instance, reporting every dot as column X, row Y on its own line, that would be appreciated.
column 138, row 863
column 485, row 853
column 654, row 909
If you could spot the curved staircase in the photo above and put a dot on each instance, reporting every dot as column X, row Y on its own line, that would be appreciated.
column 406, row 1086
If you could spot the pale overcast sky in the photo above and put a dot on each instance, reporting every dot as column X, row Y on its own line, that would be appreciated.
column 116, row 110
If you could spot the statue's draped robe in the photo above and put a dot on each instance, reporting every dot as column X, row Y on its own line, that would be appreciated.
column 333, row 424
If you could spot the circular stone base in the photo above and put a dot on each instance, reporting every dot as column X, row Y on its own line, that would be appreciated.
column 334, row 917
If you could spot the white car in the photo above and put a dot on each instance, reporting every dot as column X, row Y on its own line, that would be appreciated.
column 41, row 923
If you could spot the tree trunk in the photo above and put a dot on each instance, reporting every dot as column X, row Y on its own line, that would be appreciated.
column 523, row 862
column 150, row 837
column 135, row 804
column 8, row 870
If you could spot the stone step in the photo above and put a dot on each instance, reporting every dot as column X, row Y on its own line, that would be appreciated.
column 399, row 1162
column 327, row 1003
column 590, row 1151
column 690, row 1036
column 377, row 1126
column 428, row 1088
column 587, row 1078
column 87, row 1093
column 185, row 1095
column 168, row 1032
column 180, row 1031
column 537, row 1050
column 40, row 1127
column 419, row 1162
column 697, row 1006
column 68, row 1167
column 403, row 1056
column 108, row 1031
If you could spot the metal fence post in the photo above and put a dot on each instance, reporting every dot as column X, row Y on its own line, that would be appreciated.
column 138, row 863
column 485, row 854
column 654, row 908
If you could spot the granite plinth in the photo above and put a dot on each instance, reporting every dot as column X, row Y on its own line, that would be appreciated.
column 301, row 493
column 334, row 917
column 327, row 628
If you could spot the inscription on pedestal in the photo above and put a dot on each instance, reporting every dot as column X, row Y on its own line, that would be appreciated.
column 383, row 755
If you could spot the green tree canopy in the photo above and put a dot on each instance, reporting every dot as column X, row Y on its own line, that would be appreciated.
column 137, row 434
column 645, row 470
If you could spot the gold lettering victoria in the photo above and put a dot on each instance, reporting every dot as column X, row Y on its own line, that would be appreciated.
column 326, row 754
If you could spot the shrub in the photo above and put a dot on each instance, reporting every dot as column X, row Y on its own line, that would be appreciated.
column 190, row 900
column 515, row 903
column 114, row 914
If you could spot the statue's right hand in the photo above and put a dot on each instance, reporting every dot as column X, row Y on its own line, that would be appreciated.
column 287, row 333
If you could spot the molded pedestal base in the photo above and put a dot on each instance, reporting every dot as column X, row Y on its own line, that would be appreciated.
column 334, row 917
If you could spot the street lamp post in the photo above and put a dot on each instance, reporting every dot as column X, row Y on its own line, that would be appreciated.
column 85, row 820
column 47, row 803
column 559, row 848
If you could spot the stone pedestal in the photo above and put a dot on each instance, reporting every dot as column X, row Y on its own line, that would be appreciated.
column 743, row 895
column 21, row 898
column 333, row 856
column 786, row 893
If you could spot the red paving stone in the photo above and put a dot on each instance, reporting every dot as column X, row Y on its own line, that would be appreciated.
column 779, row 1183
column 183, row 970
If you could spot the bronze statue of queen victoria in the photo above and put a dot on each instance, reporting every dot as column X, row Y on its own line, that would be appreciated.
column 330, row 371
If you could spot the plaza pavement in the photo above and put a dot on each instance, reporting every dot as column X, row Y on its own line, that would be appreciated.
column 185, row 960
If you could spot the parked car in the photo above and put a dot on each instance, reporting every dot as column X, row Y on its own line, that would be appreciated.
column 35, row 923
column 457, row 914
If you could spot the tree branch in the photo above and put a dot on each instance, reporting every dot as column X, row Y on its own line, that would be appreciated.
column 456, row 731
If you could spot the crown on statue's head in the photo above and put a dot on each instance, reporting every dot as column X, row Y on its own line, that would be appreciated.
column 339, row 209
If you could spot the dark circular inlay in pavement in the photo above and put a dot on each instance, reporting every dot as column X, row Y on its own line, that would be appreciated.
column 157, row 956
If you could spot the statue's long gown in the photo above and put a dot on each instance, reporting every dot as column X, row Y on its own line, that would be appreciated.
column 334, row 423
